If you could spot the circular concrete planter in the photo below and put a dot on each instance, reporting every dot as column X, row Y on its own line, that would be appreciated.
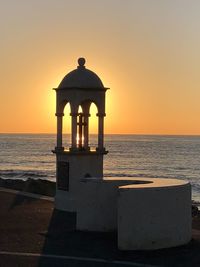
column 154, row 215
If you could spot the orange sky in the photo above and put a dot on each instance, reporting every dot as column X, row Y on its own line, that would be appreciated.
column 146, row 51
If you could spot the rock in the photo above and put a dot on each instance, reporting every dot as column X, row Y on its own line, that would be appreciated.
column 195, row 210
column 39, row 186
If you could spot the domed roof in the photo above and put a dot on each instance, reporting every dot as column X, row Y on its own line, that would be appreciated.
column 81, row 78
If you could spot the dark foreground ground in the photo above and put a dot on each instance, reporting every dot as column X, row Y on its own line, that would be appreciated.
column 30, row 227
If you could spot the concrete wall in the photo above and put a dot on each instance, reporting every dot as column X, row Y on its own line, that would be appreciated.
column 147, row 213
column 154, row 217
column 79, row 165
column 97, row 203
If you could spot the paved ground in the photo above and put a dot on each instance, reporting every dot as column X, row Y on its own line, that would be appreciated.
column 33, row 233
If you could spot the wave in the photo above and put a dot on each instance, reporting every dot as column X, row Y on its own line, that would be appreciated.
column 140, row 175
column 24, row 175
column 50, row 175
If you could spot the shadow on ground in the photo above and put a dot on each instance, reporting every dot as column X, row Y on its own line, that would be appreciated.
column 20, row 200
column 31, row 225
column 61, row 238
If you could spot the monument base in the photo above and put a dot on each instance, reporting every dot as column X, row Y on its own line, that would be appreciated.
column 154, row 217
column 147, row 213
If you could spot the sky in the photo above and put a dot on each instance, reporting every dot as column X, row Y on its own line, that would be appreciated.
column 146, row 51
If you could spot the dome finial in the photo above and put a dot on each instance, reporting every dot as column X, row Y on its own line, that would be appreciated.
column 81, row 62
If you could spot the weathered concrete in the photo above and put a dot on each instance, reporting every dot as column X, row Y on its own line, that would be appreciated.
column 97, row 203
column 81, row 164
column 147, row 213
column 154, row 216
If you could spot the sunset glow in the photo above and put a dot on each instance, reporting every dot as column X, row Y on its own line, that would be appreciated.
column 146, row 51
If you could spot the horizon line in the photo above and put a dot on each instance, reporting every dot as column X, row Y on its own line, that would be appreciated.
column 150, row 134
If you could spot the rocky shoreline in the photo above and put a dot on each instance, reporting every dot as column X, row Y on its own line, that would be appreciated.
column 39, row 186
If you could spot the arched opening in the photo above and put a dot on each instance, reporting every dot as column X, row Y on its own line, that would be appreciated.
column 67, row 126
column 93, row 127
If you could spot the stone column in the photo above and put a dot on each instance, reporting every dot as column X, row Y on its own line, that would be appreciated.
column 74, row 131
column 101, row 132
column 86, row 131
column 59, row 131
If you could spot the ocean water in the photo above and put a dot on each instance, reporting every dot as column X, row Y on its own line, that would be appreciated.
column 24, row 156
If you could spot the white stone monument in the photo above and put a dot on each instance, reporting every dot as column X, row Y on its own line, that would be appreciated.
column 81, row 87
column 147, row 213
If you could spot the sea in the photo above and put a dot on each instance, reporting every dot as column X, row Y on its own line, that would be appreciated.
column 24, row 156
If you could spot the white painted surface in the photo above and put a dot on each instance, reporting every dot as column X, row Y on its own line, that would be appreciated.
column 79, row 166
column 97, row 207
column 97, row 203
column 65, row 201
column 154, row 216
column 148, row 213
column 97, row 200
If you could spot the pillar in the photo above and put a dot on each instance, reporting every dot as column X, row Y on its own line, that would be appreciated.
column 101, row 131
column 59, row 130
column 74, row 130
column 86, row 131
column 80, row 131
